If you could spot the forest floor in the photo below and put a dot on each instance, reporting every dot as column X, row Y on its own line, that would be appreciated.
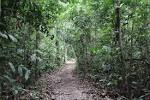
column 66, row 85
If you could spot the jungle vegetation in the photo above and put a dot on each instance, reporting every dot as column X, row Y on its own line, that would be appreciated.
column 110, row 40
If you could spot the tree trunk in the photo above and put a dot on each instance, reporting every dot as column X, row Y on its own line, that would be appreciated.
column 119, row 36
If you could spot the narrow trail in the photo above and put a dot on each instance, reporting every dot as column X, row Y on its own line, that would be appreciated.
column 68, row 86
column 65, row 85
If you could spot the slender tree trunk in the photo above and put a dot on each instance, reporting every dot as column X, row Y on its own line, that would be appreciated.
column 36, row 46
column 117, row 28
column 119, row 36
column 24, row 45
column 65, row 53
column 57, row 53
column 37, row 72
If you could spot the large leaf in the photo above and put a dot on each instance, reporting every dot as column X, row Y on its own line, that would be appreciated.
column 12, row 67
column 3, row 35
column 27, row 74
column 20, row 71
column 12, row 38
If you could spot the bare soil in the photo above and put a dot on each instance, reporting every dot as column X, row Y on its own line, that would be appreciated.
column 65, row 85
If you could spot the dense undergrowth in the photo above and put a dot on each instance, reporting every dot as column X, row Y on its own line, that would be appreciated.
column 29, row 45
column 110, row 39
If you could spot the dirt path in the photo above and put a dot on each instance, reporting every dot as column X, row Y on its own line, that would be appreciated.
column 68, row 87
column 64, row 85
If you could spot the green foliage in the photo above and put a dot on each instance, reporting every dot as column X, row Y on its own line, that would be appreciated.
column 14, row 78
column 27, row 43
column 36, row 34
